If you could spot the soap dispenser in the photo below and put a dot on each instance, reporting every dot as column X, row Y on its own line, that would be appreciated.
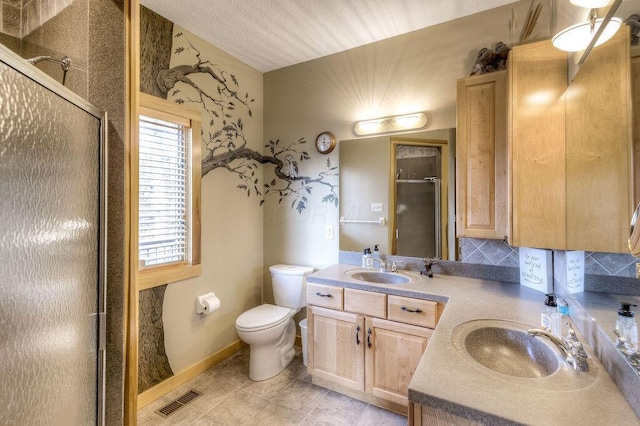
column 626, row 325
column 547, row 313
column 376, row 251
column 366, row 258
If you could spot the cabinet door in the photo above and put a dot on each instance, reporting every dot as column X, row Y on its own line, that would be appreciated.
column 392, row 356
column 635, row 107
column 337, row 351
column 599, row 150
column 538, row 81
column 481, row 158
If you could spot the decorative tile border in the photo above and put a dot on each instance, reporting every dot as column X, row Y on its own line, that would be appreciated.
column 499, row 253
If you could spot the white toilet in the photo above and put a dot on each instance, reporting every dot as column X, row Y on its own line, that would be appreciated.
column 270, row 330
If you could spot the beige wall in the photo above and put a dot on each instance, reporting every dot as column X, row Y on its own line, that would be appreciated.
column 231, row 230
column 408, row 73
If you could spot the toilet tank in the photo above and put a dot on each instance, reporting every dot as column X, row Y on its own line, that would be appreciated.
column 290, row 285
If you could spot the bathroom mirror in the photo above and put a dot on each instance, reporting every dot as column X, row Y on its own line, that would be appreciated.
column 394, row 192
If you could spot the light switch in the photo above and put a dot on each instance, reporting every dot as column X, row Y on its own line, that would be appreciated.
column 376, row 207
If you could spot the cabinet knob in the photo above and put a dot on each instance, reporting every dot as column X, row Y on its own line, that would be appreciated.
column 323, row 295
column 417, row 311
column 358, row 335
column 369, row 338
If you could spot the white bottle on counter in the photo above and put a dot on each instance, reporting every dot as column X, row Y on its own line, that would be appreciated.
column 367, row 261
column 626, row 325
column 547, row 311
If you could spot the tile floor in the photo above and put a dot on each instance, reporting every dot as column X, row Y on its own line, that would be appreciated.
column 229, row 397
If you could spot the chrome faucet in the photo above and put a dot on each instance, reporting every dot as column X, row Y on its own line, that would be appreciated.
column 632, row 357
column 394, row 265
column 381, row 264
column 428, row 263
column 571, row 348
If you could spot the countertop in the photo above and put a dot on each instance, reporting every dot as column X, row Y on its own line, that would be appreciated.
column 447, row 380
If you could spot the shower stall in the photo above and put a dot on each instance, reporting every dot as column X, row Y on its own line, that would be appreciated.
column 417, row 201
column 52, row 250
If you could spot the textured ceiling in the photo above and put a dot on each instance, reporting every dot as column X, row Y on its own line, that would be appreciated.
column 272, row 34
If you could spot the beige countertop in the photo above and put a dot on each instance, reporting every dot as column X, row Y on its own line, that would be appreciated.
column 445, row 379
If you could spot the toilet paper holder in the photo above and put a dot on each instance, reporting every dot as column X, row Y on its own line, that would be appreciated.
column 201, row 306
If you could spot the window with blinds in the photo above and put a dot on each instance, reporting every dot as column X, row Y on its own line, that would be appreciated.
column 163, row 192
column 168, row 172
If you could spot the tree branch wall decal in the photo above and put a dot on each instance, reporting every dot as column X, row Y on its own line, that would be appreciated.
column 201, row 81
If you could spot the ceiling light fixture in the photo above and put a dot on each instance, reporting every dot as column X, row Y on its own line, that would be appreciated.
column 577, row 37
column 396, row 123
column 590, row 4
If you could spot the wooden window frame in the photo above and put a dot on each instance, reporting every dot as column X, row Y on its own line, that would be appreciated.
column 154, row 276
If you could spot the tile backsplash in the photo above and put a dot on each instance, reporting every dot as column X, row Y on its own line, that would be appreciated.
column 499, row 253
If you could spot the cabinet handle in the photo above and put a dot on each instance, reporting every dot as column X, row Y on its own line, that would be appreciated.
column 323, row 295
column 417, row 311
column 369, row 338
column 358, row 335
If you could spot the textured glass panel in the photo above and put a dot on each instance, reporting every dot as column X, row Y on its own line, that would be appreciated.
column 416, row 208
column 49, row 177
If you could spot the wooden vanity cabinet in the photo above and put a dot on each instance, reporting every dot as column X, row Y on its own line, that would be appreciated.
column 481, row 157
column 360, row 351
column 393, row 352
column 336, row 353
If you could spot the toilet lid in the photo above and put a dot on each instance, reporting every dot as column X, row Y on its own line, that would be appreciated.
column 263, row 316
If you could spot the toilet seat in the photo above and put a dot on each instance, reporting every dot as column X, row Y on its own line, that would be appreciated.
column 263, row 317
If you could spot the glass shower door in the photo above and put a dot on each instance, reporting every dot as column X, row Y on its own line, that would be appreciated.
column 418, row 215
column 417, row 201
column 51, row 251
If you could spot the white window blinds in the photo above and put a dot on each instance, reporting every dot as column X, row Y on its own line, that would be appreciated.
column 163, row 192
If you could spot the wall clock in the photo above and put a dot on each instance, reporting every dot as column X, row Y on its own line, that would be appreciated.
column 325, row 142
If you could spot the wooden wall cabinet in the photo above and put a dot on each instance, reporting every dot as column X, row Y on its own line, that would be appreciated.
column 481, row 157
column 570, row 148
column 365, row 353
column 635, row 96
column 599, row 150
column 537, row 84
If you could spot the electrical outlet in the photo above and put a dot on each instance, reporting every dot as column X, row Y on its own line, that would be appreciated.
column 376, row 207
column 328, row 232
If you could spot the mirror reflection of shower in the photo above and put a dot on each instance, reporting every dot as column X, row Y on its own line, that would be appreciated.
column 65, row 63
column 418, row 171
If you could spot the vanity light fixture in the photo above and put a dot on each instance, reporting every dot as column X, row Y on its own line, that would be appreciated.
column 590, row 4
column 577, row 37
column 396, row 123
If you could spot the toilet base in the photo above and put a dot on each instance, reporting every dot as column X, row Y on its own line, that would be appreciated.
column 266, row 361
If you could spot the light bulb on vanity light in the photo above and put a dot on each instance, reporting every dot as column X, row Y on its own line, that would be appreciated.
column 577, row 37
column 590, row 4
column 394, row 123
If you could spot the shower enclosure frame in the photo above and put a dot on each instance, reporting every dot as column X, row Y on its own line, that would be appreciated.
column 443, row 212
column 12, row 60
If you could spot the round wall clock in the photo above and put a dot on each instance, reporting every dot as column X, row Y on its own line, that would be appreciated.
column 325, row 142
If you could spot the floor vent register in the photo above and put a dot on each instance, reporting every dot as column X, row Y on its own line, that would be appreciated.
column 178, row 403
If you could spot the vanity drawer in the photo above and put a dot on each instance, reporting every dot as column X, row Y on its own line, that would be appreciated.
column 413, row 311
column 365, row 302
column 327, row 296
